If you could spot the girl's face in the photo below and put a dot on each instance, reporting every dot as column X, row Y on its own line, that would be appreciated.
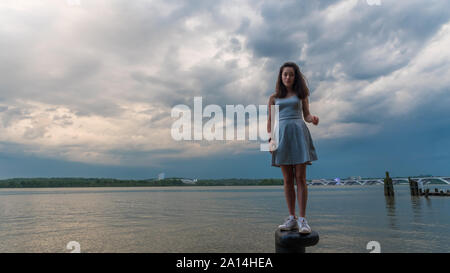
column 288, row 76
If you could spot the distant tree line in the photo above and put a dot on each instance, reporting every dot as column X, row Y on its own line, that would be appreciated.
column 110, row 182
column 239, row 182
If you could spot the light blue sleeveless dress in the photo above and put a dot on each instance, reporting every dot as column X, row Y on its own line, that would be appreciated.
column 295, row 143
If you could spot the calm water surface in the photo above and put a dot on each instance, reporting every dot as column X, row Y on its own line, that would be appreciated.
column 217, row 219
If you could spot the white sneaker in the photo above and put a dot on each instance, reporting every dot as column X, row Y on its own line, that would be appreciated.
column 303, row 227
column 289, row 224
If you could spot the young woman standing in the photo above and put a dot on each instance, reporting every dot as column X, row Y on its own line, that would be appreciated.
column 295, row 148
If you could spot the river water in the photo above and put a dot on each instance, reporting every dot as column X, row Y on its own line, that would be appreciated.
column 218, row 219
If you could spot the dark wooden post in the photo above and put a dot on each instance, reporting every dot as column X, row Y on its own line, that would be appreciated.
column 411, row 190
column 294, row 242
column 414, row 187
column 388, row 186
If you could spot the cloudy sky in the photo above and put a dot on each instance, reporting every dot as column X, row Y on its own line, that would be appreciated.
column 87, row 87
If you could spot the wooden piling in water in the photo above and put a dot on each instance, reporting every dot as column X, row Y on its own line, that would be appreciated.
column 413, row 187
column 388, row 186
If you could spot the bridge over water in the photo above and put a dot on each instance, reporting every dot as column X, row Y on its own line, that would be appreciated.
column 396, row 181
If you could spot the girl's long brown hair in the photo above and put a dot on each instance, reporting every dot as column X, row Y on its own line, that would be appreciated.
column 300, row 88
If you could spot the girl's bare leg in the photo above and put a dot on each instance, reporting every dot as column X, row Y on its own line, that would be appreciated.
column 289, row 190
column 302, row 189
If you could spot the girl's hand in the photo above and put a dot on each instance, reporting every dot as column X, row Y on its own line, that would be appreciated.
column 315, row 120
column 272, row 146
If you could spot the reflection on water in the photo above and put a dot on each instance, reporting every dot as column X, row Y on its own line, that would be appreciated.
column 416, row 204
column 390, row 206
column 217, row 219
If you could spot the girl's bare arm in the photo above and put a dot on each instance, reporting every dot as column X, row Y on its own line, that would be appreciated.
column 306, row 114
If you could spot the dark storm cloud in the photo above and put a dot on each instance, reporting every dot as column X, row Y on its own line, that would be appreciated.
column 405, row 25
column 367, row 43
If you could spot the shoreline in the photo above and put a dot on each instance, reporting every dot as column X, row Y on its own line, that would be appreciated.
column 70, row 182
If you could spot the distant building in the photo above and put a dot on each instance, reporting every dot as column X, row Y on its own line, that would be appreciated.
column 161, row 176
column 189, row 181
